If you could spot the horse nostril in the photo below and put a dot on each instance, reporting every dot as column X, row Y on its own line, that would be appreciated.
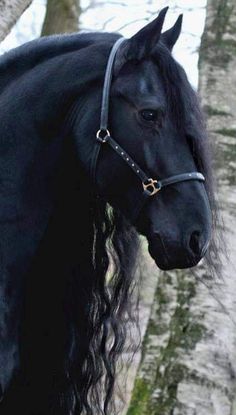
column 194, row 243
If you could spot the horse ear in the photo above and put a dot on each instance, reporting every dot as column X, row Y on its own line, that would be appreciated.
column 141, row 44
column 170, row 37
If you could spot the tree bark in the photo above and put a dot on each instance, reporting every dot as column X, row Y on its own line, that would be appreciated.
column 218, row 91
column 62, row 16
column 188, row 353
column 10, row 11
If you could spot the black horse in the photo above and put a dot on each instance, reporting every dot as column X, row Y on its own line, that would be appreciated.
column 62, row 233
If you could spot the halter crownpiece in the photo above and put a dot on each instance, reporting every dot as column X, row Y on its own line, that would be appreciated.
column 103, row 136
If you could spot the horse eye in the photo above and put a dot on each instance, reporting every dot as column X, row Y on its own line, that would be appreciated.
column 149, row 115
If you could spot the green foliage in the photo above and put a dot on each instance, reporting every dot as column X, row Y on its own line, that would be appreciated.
column 211, row 112
column 230, row 132
column 140, row 398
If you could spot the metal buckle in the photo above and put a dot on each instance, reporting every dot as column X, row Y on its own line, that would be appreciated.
column 103, row 135
column 152, row 187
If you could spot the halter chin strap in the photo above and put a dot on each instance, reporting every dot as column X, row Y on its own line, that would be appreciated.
column 103, row 136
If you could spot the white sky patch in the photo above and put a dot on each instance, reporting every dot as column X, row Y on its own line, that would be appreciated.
column 126, row 17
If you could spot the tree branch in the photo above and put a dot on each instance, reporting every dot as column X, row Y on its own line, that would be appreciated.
column 10, row 11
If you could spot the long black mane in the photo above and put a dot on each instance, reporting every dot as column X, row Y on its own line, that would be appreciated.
column 80, row 275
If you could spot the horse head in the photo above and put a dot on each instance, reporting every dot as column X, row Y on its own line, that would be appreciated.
column 156, row 123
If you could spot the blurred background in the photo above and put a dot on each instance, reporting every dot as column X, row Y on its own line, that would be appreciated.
column 120, row 16
column 186, row 363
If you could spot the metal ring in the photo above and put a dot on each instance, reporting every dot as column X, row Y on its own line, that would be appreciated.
column 152, row 187
column 106, row 133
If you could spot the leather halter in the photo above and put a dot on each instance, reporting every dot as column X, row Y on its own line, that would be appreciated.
column 103, row 137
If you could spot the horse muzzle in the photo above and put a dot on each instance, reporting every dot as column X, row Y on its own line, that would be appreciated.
column 171, row 253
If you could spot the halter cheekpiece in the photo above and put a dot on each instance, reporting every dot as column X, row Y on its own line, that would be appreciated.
column 103, row 136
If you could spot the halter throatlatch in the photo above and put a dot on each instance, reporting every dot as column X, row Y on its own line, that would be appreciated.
column 150, row 186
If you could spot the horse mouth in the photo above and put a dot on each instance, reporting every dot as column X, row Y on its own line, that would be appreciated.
column 170, row 259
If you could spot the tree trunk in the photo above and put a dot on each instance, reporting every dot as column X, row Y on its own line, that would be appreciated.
column 62, row 16
column 218, row 91
column 188, row 354
column 10, row 11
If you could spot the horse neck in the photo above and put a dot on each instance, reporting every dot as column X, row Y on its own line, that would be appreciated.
column 16, row 62
column 38, row 173
column 57, row 290
column 34, row 110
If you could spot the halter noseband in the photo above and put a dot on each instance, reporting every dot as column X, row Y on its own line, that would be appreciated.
column 103, row 136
